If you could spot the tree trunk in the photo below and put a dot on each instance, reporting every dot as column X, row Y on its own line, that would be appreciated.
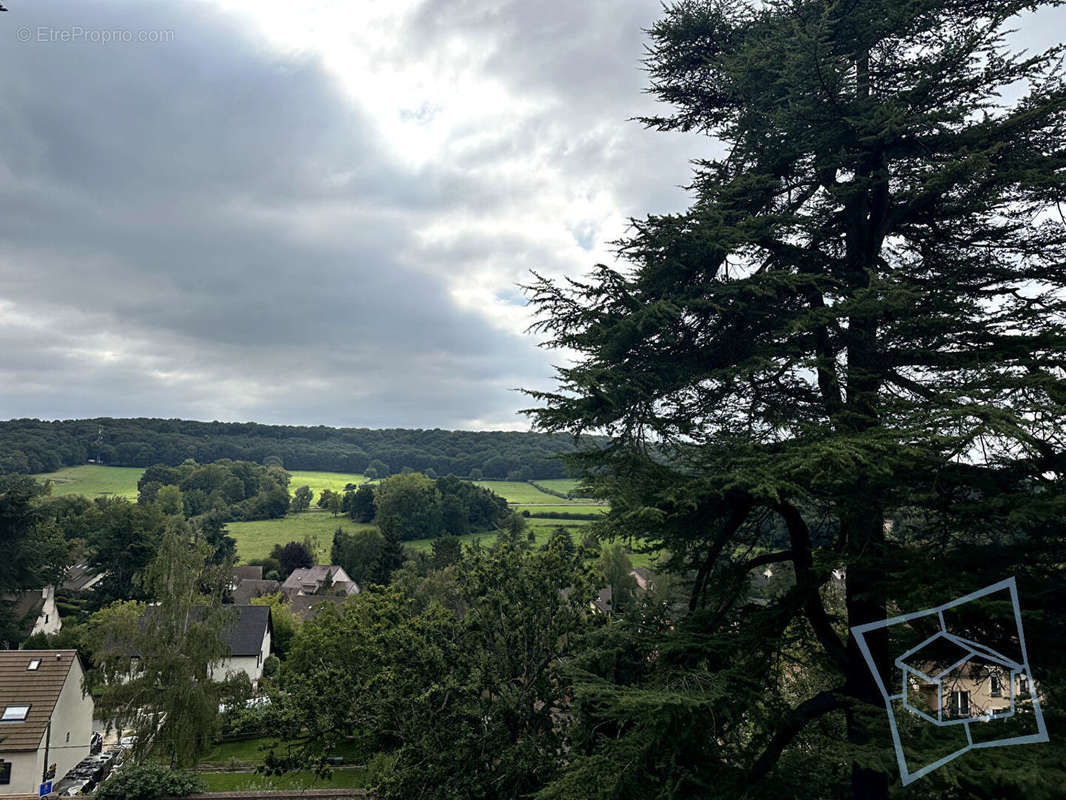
column 865, row 603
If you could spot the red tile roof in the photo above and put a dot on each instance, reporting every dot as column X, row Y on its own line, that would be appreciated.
column 39, row 689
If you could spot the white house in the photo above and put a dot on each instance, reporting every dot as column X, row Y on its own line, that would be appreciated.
column 249, row 642
column 38, row 605
column 45, row 718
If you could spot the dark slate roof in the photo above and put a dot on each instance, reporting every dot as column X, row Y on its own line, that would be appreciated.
column 28, row 604
column 306, row 606
column 248, row 588
column 248, row 573
column 39, row 689
column 245, row 638
column 78, row 576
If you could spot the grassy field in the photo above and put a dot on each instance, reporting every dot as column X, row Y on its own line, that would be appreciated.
column 543, row 529
column 563, row 485
column 256, row 539
column 334, row 481
column 518, row 492
column 94, row 480
column 584, row 508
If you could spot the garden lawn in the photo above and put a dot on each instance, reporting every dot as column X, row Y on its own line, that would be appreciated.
column 250, row 781
column 253, row 751
column 94, row 480
column 256, row 539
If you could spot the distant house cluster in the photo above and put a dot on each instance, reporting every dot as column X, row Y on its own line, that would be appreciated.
column 305, row 591
column 46, row 720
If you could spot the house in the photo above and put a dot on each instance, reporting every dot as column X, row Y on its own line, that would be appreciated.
column 247, row 573
column 45, row 718
column 36, row 609
column 949, row 680
column 249, row 641
column 81, row 578
column 307, row 606
column 247, row 583
column 247, row 589
column 320, row 579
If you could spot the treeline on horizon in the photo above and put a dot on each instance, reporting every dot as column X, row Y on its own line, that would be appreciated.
column 33, row 446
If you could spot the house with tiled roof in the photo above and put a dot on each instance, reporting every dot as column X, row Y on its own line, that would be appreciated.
column 320, row 579
column 46, row 720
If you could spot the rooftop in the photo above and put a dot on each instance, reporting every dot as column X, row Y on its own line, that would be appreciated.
column 37, row 688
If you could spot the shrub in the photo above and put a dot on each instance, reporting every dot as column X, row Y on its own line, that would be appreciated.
column 270, row 666
column 148, row 780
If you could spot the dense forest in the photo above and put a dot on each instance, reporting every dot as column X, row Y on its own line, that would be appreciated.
column 30, row 446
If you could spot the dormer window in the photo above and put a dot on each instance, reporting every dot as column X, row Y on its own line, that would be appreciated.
column 34, row 663
column 15, row 714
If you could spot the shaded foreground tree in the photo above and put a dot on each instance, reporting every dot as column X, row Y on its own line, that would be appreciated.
column 855, row 337
column 459, row 688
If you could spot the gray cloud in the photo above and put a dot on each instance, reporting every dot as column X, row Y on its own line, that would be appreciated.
column 210, row 227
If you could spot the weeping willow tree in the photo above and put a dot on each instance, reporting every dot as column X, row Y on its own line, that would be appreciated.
column 153, row 663
column 846, row 356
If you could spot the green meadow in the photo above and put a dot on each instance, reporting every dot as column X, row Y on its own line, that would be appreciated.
column 334, row 481
column 256, row 539
column 563, row 485
column 94, row 480
column 573, row 508
column 519, row 492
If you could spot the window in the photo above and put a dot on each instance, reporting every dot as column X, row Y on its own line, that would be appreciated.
column 68, row 737
column 997, row 690
column 5, row 772
column 1023, row 684
column 34, row 663
column 960, row 704
column 15, row 713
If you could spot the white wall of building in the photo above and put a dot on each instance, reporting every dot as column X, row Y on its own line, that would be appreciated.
column 72, row 724
column 26, row 769
column 48, row 620
column 252, row 666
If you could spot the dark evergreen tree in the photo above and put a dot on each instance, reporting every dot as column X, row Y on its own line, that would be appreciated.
column 861, row 320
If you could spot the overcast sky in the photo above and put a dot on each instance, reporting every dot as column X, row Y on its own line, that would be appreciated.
column 312, row 213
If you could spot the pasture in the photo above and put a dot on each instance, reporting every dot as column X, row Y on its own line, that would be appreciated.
column 573, row 508
column 94, row 480
column 256, row 539
column 334, row 481
column 519, row 492
column 563, row 485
